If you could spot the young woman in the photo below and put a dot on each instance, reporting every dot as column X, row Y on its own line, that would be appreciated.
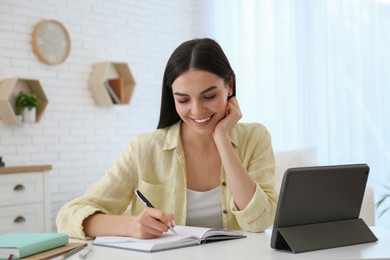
column 200, row 167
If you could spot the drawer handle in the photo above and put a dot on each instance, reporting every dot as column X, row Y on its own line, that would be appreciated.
column 19, row 219
column 19, row 187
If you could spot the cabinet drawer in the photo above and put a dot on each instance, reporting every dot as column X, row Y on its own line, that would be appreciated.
column 23, row 218
column 21, row 188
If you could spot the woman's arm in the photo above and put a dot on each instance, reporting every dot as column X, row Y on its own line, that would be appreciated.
column 99, row 211
column 241, row 184
column 150, row 223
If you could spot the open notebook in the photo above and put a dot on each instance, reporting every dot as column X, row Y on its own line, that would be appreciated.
column 186, row 236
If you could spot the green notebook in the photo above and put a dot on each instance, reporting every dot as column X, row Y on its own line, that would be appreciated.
column 24, row 244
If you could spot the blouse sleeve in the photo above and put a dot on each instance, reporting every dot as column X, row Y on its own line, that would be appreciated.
column 110, row 195
column 260, row 163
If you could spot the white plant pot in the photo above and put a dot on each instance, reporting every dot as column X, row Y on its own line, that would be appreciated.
column 29, row 116
column 19, row 118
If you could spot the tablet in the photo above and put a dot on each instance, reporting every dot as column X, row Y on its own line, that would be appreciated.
column 319, row 194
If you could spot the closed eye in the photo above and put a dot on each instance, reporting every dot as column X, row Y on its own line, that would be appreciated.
column 209, row 97
column 182, row 101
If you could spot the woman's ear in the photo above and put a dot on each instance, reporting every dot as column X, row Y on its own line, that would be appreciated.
column 231, row 87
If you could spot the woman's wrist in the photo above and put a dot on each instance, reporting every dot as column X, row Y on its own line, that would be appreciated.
column 101, row 224
column 221, row 139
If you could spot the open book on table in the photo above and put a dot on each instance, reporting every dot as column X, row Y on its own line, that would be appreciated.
column 186, row 236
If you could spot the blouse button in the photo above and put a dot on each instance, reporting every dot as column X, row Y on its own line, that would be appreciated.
column 224, row 211
column 223, row 184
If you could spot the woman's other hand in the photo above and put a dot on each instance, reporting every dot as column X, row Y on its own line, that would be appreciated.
column 232, row 116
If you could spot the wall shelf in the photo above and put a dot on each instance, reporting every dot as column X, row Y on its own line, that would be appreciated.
column 9, row 90
column 104, row 71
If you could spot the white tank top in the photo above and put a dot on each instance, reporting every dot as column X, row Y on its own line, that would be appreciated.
column 204, row 208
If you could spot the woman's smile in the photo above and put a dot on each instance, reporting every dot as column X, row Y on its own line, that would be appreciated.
column 202, row 120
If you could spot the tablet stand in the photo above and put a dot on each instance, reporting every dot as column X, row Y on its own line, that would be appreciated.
column 317, row 236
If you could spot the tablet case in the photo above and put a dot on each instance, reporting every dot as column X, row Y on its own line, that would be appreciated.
column 317, row 236
column 319, row 208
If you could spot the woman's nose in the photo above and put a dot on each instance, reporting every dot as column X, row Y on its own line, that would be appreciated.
column 197, row 108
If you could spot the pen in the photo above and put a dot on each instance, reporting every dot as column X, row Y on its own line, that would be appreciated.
column 148, row 204
column 72, row 252
column 85, row 252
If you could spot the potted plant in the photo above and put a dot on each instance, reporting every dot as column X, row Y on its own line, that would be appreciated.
column 380, row 203
column 26, row 105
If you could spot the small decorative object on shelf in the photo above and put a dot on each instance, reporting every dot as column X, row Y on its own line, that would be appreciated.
column 26, row 105
column 113, row 95
column 2, row 164
column 111, row 83
column 118, row 86
column 9, row 91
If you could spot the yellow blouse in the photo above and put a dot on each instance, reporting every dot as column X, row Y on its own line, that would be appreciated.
column 154, row 163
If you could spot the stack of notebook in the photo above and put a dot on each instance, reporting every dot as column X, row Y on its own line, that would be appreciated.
column 35, row 245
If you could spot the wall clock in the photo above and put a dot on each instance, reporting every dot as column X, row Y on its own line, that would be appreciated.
column 51, row 42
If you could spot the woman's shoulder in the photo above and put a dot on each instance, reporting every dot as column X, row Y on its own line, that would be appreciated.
column 158, row 136
column 153, row 136
column 251, row 128
column 250, row 132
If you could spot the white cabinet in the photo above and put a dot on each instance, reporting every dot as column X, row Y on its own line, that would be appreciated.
column 25, row 199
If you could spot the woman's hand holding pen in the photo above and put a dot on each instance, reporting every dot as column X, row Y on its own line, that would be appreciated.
column 151, row 223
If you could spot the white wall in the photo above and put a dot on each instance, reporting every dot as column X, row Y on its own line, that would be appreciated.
column 79, row 139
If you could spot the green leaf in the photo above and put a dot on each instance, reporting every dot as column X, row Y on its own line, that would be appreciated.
column 382, row 200
column 383, row 212
column 26, row 99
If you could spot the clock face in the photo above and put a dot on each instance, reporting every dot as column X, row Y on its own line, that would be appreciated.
column 51, row 42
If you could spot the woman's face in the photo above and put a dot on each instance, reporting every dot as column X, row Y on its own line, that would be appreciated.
column 200, row 99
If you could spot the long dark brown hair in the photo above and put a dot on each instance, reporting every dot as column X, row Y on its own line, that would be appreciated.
column 203, row 54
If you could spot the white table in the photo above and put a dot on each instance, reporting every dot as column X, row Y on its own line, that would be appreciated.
column 255, row 246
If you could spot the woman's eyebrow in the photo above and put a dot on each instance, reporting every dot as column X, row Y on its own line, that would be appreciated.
column 203, row 92
column 208, row 89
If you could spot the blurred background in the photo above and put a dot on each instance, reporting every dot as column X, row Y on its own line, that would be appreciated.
column 315, row 73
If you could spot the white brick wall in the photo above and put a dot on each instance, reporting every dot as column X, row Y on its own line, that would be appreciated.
column 80, row 139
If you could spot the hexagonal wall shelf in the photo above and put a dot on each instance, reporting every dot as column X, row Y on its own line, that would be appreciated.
column 104, row 71
column 9, row 90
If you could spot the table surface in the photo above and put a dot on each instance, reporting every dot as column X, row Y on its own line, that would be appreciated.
column 255, row 246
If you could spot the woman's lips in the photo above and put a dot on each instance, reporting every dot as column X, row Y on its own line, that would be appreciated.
column 202, row 120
